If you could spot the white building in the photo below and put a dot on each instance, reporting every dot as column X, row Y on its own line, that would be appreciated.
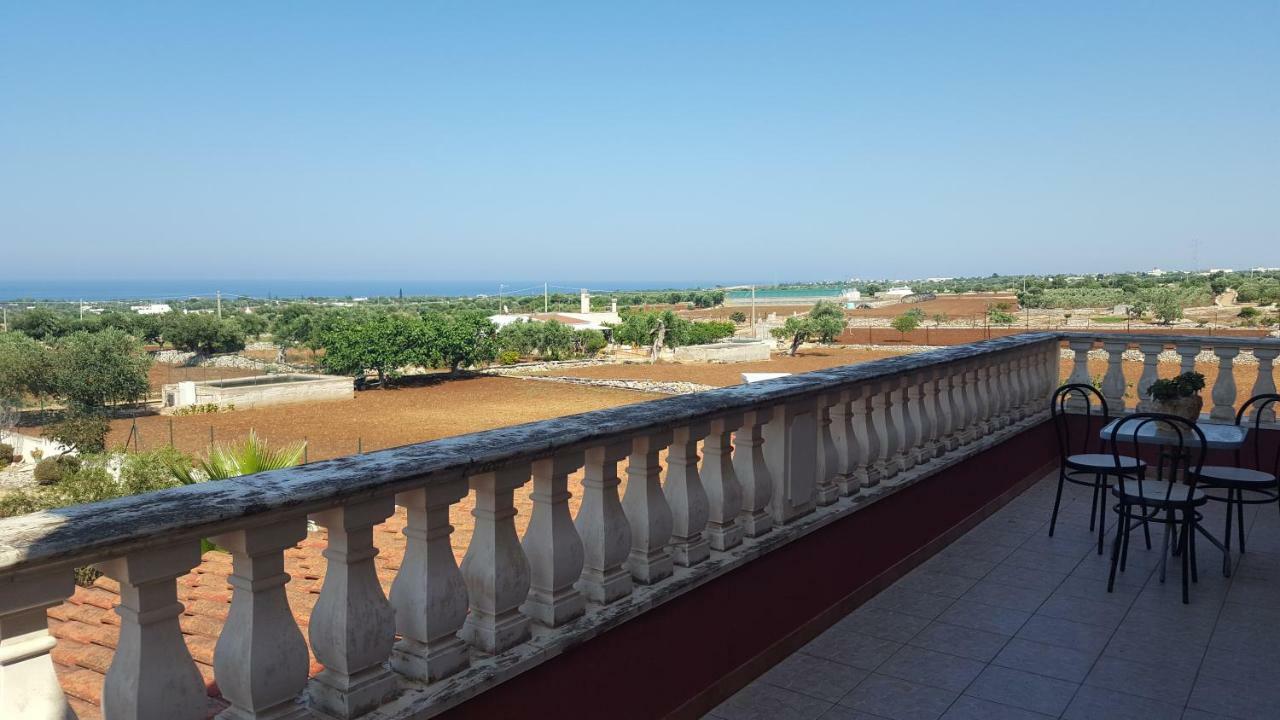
column 898, row 291
column 152, row 309
column 1156, row 272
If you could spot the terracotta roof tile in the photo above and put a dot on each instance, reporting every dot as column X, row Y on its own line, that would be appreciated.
column 83, row 684
column 84, row 710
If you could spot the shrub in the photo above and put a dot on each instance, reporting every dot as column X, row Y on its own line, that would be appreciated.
column 53, row 470
column 6, row 454
column 1184, row 385
column 20, row 502
column 86, row 432
column 508, row 357
column 738, row 317
column 152, row 470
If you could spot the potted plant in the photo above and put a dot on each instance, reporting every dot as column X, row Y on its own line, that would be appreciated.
column 1178, row 395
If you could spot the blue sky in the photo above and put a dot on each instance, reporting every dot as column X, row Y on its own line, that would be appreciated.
column 708, row 142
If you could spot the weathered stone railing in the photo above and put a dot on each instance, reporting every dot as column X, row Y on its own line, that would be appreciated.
column 1225, row 351
column 810, row 449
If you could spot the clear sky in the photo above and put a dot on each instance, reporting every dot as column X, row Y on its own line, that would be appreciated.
column 681, row 141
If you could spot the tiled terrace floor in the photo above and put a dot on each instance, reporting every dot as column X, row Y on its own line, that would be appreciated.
column 1009, row 623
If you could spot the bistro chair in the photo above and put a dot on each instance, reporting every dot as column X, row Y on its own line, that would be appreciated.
column 1163, row 499
column 1082, row 456
column 1256, row 472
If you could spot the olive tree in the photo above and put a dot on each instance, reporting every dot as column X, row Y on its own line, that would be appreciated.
column 824, row 323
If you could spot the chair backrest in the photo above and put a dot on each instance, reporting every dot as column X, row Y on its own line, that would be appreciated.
column 1089, row 404
column 1259, row 405
column 1181, row 448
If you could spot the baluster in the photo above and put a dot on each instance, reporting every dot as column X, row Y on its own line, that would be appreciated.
column 647, row 510
column 926, row 404
column 959, row 409
column 1188, row 352
column 886, row 433
column 152, row 674
column 913, row 414
column 1113, row 381
column 1079, row 372
column 790, row 450
column 1224, row 390
column 942, row 411
column 28, row 684
column 353, row 625
column 991, row 394
column 1009, row 399
column 495, row 568
column 996, row 395
column 429, row 594
column 864, row 430
column 261, row 659
column 846, row 444
column 1150, row 372
column 828, row 458
column 551, row 544
column 724, row 493
column 1018, row 380
column 753, row 472
column 1265, row 383
column 977, row 413
column 686, row 497
column 908, row 424
column 603, row 526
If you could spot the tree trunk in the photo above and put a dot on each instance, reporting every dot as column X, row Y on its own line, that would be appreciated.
column 658, row 338
column 795, row 343
column 382, row 379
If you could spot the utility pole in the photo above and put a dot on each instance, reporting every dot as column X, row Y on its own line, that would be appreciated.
column 545, row 298
column 219, row 304
column 755, row 333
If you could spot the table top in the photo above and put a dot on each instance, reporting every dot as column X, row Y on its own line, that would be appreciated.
column 1217, row 437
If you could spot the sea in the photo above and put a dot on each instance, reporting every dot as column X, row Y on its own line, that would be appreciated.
column 158, row 290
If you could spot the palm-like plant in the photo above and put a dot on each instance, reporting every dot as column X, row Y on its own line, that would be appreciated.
column 252, row 455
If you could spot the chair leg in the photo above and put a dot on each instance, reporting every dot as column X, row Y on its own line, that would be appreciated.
column 1226, row 536
column 1102, row 512
column 1093, row 508
column 1126, row 520
column 1186, row 555
column 1240, row 517
column 1191, row 545
column 1164, row 547
column 1121, row 526
column 1146, row 527
column 1057, row 500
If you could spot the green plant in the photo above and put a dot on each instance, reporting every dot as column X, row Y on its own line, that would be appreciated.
column 738, row 316
column 202, row 409
column 52, row 470
column 36, row 454
column 906, row 322
column 508, row 357
column 252, row 455
column 1184, row 385
column 6, row 454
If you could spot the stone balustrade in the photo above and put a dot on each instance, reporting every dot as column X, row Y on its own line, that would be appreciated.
column 714, row 480
column 1221, row 399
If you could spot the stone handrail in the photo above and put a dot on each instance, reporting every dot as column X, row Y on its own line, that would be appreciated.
column 1188, row 348
column 810, row 449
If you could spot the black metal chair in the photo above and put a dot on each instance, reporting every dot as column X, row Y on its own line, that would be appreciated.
column 1257, row 475
column 1082, row 456
column 1171, row 498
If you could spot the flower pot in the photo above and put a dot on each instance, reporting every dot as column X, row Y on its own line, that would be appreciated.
column 1183, row 407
